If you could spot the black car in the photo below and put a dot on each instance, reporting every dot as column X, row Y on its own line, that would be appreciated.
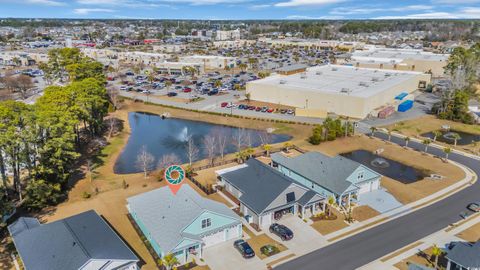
column 244, row 248
column 281, row 231
column 172, row 94
column 475, row 207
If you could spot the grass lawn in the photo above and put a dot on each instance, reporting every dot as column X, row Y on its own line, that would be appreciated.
column 471, row 234
column 258, row 241
column 424, row 258
column 364, row 212
column 325, row 227
column 405, row 193
column 415, row 127
column 208, row 177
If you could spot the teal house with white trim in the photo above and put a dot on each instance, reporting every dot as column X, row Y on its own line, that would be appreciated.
column 183, row 224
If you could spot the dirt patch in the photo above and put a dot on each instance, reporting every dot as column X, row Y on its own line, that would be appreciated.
column 364, row 212
column 405, row 193
column 208, row 177
column 325, row 227
column 415, row 127
column 471, row 234
column 258, row 241
column 424, row 258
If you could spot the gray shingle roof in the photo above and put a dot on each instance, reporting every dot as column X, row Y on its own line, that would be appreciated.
column 308, row 197
column 328, row 172
column 68, row 243
column 465, row 254
column 165, row 215
column 259, row 183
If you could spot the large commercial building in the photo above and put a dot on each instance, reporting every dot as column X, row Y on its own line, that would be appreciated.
column 343, row 90
column 210, row 61
column 399, row 59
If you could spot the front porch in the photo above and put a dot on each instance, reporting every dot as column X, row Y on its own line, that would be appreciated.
column 189, row 254
column 311, row 209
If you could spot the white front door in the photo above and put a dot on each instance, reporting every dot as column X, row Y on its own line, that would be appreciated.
column 214, row 238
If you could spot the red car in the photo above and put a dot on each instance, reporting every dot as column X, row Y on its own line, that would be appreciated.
column 187, row 90
column 224, row 104
column 258, row 109
column 270, row 110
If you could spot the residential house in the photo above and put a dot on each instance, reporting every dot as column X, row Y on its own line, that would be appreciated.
column 464, row 256
column 183, row 224
column 340, row 177
column 84, row 241
column 265, row 195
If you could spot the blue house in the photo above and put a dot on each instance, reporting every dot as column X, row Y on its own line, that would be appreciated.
column 183, row 224
column 337, row 177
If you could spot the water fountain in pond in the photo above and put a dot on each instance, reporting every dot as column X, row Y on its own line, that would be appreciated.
column 380, row 163
column 183, row 136
column 451, row 136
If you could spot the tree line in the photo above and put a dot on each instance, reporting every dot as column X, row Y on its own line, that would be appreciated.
column 40, row 143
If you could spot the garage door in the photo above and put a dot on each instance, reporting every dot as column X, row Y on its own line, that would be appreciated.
column 232, row 232
column 365, row 187
column 214, row 238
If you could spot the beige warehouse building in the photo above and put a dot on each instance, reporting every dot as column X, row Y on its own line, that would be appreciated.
column 399, row 59
column 343, row 90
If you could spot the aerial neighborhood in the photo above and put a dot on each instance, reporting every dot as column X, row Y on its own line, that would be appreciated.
column 181, row 143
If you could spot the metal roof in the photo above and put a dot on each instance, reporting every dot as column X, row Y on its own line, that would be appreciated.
column 465, row 254
column 165, row 215
column 68, row 243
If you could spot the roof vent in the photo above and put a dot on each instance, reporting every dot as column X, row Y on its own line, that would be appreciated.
column 375, row 79
column 318, row 73
column 303, row 76
column 283, row 82
column 363, row 84
column 345, row 90
column 334, row 69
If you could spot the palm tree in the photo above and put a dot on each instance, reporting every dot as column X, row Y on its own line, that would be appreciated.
column 330, row 202
column 168, row 84
column 218, row 83
column 436, row 134
column 169, row 261
column 455, row 137
column 287, row 146
column 447, row 150
column 407, row 139
column 426, row 142
column 242, row 66
column 436, row 252
column 372, row 133
column 267, row 148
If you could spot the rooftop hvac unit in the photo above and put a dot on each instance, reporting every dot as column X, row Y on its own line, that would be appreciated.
column 388, row 74
column 363, row 84
column 318, row 73
column 283, row 82
column 345, row 90
column 303, row 76
column 334, row 69
column 375, row 79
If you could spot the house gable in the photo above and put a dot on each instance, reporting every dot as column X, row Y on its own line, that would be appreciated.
column 217, row 221
column 362, row 173
column 281, row 199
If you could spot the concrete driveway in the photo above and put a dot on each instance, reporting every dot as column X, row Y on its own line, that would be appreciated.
column 380, row 200
column 305, row 237
column 225, row 256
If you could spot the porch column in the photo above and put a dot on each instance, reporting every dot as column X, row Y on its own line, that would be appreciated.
column 324, row 206
column 200, row 250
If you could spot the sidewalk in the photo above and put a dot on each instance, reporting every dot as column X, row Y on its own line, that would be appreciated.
column 440, row 238
column 470, row 177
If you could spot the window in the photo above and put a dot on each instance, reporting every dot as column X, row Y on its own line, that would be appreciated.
column 360, row 175
column 206, row 223
column 290, row 197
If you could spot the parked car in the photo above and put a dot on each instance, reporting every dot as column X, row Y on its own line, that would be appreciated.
column 290, row 111
column 187, row 90
column 270, row 110
column 172, row 94
column 244, row 248
column 281, row 231
column 475, row 207
column 465, row 215
column 258, row 109
column 241, row 106
column 224, row 104
column 264, row 109
column 213, row 92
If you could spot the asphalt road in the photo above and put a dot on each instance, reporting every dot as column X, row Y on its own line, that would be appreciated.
column 370, row 245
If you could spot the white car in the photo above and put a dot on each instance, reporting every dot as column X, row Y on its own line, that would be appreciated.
column 123, row 88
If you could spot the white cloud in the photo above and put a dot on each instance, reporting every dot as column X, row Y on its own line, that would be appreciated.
column 463, row 13
column 369, row 10
column 155, row 3
column 46, row 2
column 297, row 3
column 455, row 2
column 85, row 11
column 257, row 7
column 301, row 17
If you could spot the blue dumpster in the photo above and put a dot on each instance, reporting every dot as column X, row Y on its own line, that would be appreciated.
column 405, row 106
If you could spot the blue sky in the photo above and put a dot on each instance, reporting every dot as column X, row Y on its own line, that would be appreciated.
column 242, row 9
